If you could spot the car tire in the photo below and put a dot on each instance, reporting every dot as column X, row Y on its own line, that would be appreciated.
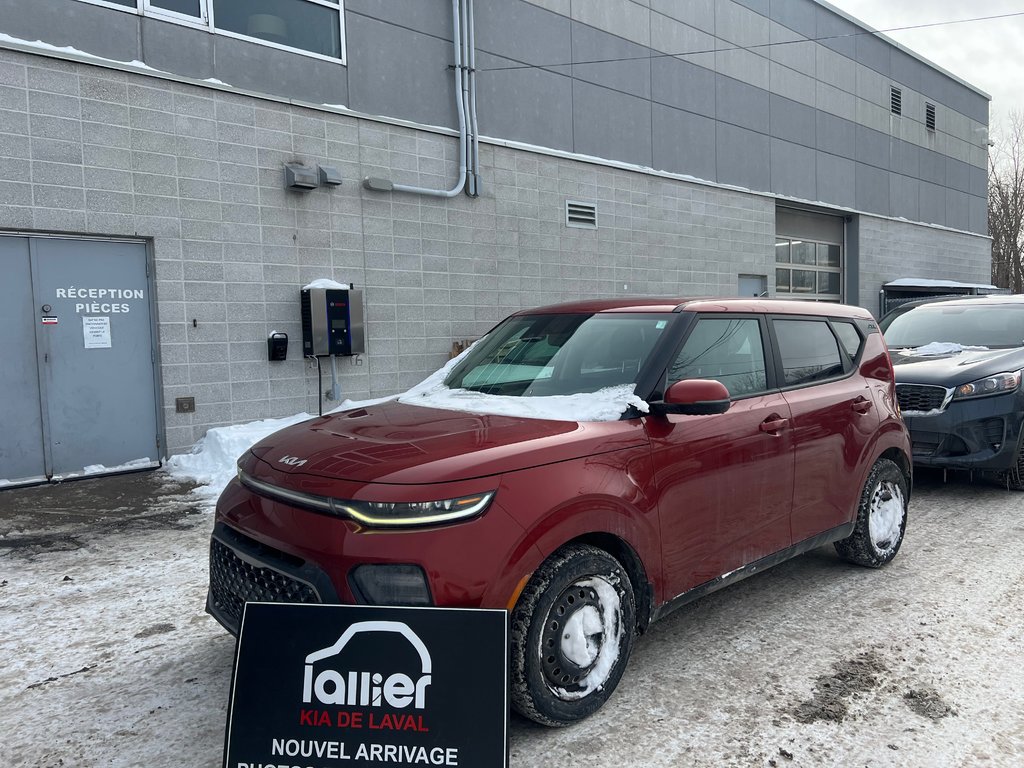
column 1014, row 476
column 572, row 632
column 881, row 518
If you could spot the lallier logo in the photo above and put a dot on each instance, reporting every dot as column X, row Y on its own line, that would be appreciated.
column 365, row 716
column 370, row 690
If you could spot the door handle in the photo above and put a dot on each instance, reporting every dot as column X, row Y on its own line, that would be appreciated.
column 773, row 424
column 861, row 405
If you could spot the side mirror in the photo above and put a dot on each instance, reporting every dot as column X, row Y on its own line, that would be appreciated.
column 694, row 397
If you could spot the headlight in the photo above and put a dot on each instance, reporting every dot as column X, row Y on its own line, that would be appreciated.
column 376, row 513
column 415, row 513
column 319, row 503
column 998, row 384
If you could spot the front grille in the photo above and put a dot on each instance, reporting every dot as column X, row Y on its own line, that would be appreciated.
column 920, row 397
column 234, row 582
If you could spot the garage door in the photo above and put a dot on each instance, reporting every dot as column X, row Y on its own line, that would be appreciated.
column 80, row 393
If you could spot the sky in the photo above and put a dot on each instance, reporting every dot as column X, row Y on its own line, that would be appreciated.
column 988, row 54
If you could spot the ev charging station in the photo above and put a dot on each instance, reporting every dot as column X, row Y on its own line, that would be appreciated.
column 332, row 326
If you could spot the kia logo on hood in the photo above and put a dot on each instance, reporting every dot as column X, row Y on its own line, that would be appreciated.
column 293, row 461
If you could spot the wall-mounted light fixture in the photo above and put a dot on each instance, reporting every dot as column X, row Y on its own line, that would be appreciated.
column 299, row 177
column 378, row 184
column 330, row 176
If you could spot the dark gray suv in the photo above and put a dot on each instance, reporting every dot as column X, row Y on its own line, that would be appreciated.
column 958, row 379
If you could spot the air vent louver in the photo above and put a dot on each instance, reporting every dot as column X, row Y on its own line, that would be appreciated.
column 579, row 214
column 895, row 100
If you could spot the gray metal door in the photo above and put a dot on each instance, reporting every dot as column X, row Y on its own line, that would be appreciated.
column 94, row 357
column 21, row 422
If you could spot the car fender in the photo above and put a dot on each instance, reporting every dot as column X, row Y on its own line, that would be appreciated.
column 604, row 495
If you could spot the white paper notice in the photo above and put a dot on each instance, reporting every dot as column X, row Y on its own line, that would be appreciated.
column 97, row 332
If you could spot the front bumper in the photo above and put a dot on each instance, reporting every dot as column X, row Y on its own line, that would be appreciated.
column 263, row 550
column 244, row 571
column 981, row 434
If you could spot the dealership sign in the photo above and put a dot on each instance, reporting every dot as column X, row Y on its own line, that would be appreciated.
column 322, row 686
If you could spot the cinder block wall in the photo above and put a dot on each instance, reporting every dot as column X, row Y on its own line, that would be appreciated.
column 198, row 171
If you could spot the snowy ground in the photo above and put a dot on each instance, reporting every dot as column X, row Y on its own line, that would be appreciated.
column 109, row 659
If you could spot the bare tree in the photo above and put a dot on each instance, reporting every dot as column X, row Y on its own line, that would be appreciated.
column 1006, row 204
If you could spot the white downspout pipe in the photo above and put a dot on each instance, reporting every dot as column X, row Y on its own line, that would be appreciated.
column 474, row 131
column 461, row 87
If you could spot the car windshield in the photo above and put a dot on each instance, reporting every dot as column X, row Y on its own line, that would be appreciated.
column 981, row 325
column 559, row 354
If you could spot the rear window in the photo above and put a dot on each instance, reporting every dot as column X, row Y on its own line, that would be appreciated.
column 809, row 349
column 849, row 337
column 980, row 325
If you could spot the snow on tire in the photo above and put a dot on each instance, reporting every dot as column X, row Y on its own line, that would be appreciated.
column 881, row 518
column 572, row 632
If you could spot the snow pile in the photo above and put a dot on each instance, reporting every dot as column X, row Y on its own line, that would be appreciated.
column 40, row 45
column 98, row 469
column 937, row 348
column 212, row 460
column 324, row 282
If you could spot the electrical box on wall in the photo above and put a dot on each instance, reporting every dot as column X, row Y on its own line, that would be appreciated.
column 277, row 346
column 332, row 322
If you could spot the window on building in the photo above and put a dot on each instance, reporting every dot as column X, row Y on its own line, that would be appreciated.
column 312, row 27
column 191, row 8
column 895, row 100
column 808, row 270
column 929, row 116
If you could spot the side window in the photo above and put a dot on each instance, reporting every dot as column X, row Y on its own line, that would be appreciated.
column 728, row 350
column 848, row 337
column 809, row 351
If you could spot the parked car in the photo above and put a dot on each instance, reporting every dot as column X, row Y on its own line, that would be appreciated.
column 588, row 466
column 886, row 320
column 958, row 373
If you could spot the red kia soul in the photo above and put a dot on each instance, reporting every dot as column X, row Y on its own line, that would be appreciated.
column 589, row 467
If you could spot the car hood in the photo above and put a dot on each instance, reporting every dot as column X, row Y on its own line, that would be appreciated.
column 954, row 368
column 392, row 442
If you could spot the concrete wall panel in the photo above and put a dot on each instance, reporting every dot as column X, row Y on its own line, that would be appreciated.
column 793, row 170
column 743, row 157
column 608, row 123
column 683, row 85
column 529, row 105
column 835, row 179
column 741, row 105
column 792, row 121
column 684, row 142
column 629, row 70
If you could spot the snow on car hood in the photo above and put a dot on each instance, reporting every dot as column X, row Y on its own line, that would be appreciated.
column 604, row 405
column 939, row 349
column 953, row 367
column 394, row 442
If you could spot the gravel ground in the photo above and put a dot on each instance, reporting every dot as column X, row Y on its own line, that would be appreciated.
column 109, row 659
